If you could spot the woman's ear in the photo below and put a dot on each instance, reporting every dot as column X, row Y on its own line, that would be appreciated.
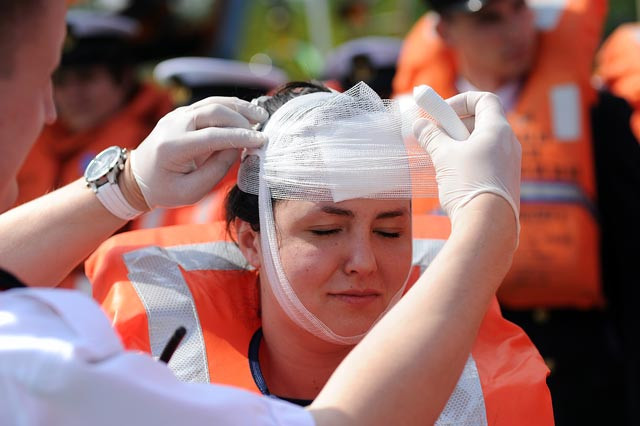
column 249, row 242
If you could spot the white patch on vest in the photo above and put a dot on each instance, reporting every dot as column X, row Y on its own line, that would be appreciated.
column 424, row 251
column 466, row 404
column 636, row 35
column 548, row 12
column 155, row 274
column 565, row 112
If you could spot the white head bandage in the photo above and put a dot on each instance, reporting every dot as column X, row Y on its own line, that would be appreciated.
column 332, row 147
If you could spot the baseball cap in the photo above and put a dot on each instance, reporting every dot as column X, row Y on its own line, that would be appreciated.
column 98, row 38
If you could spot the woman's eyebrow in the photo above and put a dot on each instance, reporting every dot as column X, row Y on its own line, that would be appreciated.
column 392, row 214
column 348, row 213
column 336, row 211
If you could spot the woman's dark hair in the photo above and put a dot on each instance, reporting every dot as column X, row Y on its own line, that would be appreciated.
column 244, row 206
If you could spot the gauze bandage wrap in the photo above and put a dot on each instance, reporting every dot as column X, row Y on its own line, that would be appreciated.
column 332, row 147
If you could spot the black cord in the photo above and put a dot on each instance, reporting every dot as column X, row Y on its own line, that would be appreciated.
column 8, row 281
column 172, row 344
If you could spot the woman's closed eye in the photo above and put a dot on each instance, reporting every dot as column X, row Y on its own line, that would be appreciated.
column 322, row 232
column 388, row 234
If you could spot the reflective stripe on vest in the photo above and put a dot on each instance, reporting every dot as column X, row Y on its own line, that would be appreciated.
column 155, row 274
column 466, row 404
column 555, row 192
column 424, row 251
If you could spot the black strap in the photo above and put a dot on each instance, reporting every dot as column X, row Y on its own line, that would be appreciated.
column 256, row 372
column 8, row 281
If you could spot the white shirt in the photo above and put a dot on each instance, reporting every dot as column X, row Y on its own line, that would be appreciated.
column 62, row 364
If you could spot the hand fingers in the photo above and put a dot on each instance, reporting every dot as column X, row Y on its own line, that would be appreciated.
column 428, row 134
column 251, row 112
column 218, row 115
column 470, row 105
column 211, row 139
column 212, row 170
column 469, row 123
column 488, row 111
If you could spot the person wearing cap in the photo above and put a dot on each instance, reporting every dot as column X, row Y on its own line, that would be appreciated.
column 564, row 287
column 201, row 77
column 99, row 101
column 618, row 68
column 61, row 363
column 368, row 59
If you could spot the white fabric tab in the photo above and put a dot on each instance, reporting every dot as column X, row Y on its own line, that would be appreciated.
column 548, row 12
column 565, row 112
column 113, row 200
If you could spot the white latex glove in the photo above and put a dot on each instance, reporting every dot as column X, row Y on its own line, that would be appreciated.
column 488, row 161
column 192, row 148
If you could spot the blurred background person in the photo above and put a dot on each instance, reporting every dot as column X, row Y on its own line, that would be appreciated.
column 100, row 103
column 618, row 67
column 618, row 70
column 538, row 59
column 99, row 99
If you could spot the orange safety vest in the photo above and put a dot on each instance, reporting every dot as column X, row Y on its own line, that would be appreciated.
column 59, row 156
column 618, row 67
column 557, row 263
column 152, row 281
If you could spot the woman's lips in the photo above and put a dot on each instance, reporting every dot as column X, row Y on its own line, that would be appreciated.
column 355, row 297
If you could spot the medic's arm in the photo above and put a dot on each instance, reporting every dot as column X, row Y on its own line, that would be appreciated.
column 405, row 369
column 61, row 364
column 187, row 153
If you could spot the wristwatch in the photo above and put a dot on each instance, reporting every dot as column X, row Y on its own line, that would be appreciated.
column 101, row 176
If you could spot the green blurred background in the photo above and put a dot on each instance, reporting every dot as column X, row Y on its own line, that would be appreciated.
column 292, row 34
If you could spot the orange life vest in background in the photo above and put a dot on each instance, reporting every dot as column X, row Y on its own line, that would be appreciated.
column 618, row 67
column 557, row 263
column 152, row 281
column 59, row 156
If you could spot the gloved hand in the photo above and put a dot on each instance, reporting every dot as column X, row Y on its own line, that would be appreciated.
column 488, row 161
column 192, row 148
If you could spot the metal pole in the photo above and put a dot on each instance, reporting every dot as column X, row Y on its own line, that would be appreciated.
column 319, row 23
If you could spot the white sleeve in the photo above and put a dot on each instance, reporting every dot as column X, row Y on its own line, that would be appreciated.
column 62, row 364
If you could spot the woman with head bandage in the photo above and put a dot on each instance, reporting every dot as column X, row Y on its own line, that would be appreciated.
column 322, row 213
column 332, row 189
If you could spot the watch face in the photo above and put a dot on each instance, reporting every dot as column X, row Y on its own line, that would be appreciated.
column 102, row 164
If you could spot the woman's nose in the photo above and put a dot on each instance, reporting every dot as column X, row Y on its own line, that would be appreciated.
column 361, row 259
